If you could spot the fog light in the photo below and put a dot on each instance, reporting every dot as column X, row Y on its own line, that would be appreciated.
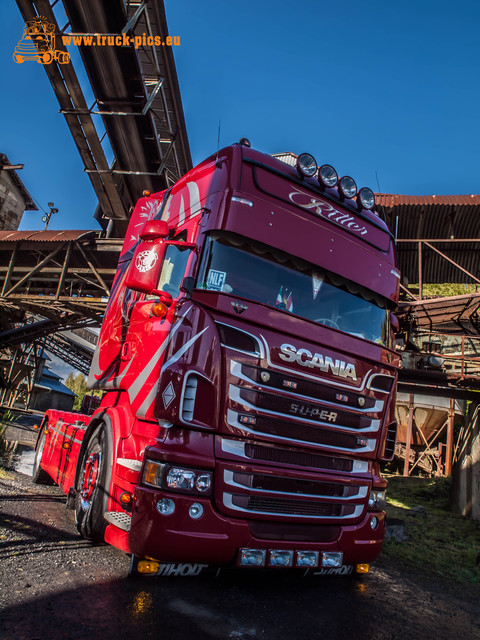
column 327, row 175
column 332, row 559
column 252, row 557
column 307, row 559
column 203, row 482
column 166, row 506
column 195, row 511
column 281, row 558
column 374, row 523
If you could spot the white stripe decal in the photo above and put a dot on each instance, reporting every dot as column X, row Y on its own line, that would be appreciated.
column 137, row 385
column 154, row 390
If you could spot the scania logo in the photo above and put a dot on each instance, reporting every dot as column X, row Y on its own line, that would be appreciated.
column 306, row 358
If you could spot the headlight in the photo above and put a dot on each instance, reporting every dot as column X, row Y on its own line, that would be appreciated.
column 366, row 197
column 180, row 479
column 327, row 176
column 377, row 500
column 306, row 165
column 348, row 187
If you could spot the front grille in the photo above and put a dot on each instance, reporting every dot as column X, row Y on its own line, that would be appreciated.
column 293, row 485
column 305, row 410
column 261, row 504
column 297, row 458
column 265, row 530
column 391, row 439
column 306, row 433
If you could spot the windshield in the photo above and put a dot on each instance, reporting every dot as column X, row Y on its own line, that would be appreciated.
column 257, row 272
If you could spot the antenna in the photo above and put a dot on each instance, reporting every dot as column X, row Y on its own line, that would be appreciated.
column 383, row 208
column 218, row 142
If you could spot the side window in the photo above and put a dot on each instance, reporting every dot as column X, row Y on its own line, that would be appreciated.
column 173, row 270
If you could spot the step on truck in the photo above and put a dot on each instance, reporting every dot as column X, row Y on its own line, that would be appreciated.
column 249, row 371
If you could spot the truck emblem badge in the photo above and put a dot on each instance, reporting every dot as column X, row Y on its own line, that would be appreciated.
column 168, row 395
column 146, row 260
column 305, row 358
column 239, row 307
column 265, row 376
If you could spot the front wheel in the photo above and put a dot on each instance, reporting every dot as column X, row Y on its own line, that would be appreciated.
column 91, row 499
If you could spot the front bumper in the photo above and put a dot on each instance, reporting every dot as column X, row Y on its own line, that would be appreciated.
column 215, row 539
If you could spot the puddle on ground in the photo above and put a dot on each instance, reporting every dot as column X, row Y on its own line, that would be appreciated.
column 19, row 457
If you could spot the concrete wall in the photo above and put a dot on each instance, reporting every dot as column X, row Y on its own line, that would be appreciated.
column 466, row 472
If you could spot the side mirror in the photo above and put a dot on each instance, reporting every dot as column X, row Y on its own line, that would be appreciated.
column 144, row 270
column 154, row 230
column 186, row 286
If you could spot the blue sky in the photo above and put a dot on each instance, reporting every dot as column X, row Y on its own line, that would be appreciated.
column 372, row 87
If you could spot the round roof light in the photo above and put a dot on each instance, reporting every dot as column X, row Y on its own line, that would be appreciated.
column 306, row 165
column 347, row 187
column 327, row 176
column 366, row 198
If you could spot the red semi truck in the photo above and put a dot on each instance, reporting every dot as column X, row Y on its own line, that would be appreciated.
column 248, row 362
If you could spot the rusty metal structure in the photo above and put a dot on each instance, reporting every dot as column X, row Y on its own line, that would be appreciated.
column 438, row 243
column 137, row 111
column 50, row 281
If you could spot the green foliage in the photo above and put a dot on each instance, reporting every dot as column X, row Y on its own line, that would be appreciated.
column 442, row 544
column 78, row 385
column 446, row 289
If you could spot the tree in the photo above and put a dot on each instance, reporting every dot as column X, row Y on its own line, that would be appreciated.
column 78, row 385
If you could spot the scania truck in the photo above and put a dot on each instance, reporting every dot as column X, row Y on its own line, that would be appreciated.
column 249, row 371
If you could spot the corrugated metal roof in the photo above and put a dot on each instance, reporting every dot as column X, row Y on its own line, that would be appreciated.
column 397, row 200
column 65, row 235
column 450, row 218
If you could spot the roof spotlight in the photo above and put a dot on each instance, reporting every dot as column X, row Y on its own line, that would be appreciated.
column 327, row 176
column 306, row 165
column 366, row 198
column 347, row 187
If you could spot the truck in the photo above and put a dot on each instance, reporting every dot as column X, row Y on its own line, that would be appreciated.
column 249, row 371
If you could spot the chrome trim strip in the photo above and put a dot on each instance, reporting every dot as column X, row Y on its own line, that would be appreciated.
column 228, row 502
column 234, row 394
column 383, row 375
column 259, row 354
column 130, row 463
column 235, row 370
column 228, row 479
column 232, row 420
column 237, row 448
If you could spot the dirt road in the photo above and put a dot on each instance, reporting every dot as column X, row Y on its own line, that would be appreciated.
column 56, row 586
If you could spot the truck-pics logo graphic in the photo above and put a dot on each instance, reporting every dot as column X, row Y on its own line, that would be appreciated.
column 38, row 44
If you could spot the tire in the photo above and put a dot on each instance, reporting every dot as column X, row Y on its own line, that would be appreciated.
column 39, row 476
column 91, row 498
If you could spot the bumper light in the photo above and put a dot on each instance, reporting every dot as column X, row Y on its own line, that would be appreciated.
column 166, row 507
column 281, row 558
column 307, row 559
column 374, row 523
column 195, row 511
column 332, row 559
column 252, row 557
column 377, row 500
column 306, row 165
column 147, row 566
column 362, row 568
